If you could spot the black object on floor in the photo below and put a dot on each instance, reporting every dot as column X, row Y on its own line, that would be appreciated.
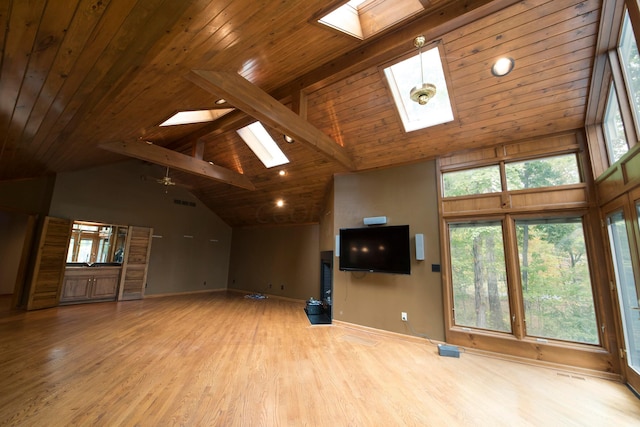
column 318, row 319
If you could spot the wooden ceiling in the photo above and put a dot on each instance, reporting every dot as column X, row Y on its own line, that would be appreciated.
column 81, row 76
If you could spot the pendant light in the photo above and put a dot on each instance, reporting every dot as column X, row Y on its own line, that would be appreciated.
column 423, row 93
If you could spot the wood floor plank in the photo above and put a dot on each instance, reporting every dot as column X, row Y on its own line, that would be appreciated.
column 223, row 360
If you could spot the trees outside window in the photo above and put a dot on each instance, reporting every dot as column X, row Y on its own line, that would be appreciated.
column 479, row 276
column 555, row 280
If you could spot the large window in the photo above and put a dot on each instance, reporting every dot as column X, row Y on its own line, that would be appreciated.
column 479, row 276
column 555, row 280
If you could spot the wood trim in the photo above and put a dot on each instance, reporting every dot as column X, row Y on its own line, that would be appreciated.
column 48, row 274
column 249, row 98
column 172, row 159
column 133, row 278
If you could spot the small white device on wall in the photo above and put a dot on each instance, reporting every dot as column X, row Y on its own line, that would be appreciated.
column 337, row 251
column 375, row 220
column 420, row 247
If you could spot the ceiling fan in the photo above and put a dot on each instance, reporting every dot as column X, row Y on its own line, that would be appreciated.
column 166, row 180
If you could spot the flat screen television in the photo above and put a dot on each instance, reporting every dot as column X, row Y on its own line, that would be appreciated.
column 384, row 249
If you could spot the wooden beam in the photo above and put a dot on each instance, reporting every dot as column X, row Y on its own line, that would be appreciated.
column 172, row 159
column 255, row 102
column 197, row 150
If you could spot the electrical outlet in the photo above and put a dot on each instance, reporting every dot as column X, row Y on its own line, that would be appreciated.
column 404, row 317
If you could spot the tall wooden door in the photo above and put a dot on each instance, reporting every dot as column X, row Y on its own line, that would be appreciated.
column 136, row 264
column 48, row 272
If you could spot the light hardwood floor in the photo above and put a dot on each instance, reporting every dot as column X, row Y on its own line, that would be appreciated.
column 223, row 360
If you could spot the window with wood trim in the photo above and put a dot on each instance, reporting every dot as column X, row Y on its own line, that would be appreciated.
column 518, row 260
column 613, row 118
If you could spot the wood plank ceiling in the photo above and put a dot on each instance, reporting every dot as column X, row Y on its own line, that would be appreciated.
column 78, row 74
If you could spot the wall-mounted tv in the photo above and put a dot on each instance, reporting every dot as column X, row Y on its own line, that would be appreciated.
column 376, row 249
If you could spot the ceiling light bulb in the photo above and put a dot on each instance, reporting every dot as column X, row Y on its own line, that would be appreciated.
column 288, row 139
column 282, row 173
column 221, row 101
column 280, row 203
column 502, row 67
column 423, row 93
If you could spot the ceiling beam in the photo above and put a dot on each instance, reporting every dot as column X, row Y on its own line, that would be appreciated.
column 174, row 160
column 258, row 104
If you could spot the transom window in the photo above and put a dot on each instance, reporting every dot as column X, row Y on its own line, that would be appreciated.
column 550, row 171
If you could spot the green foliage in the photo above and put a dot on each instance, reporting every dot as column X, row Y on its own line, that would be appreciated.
column 472, row 181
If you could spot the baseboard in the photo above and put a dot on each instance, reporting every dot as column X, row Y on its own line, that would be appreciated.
column 173, row 294
column 384, row 333
column 572, row 371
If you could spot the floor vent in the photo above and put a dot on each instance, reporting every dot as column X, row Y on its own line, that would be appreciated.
column 184, row 203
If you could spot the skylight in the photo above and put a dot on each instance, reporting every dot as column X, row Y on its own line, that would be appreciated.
column 345, row 19
column 196, row 116
column 262, row 145
column 405, row 75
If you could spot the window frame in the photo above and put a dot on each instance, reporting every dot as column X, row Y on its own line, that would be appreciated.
column 546, row 202
column 608, row 70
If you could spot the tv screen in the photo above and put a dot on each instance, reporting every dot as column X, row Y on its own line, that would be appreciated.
column 376, row 249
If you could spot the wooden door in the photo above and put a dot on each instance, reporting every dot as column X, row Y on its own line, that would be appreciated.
column 134, row 270
column 48, row 272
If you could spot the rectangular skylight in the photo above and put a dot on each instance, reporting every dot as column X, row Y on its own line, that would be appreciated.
column 405, row 75
column 345, row 19
column 196, row 116
column 263, row 146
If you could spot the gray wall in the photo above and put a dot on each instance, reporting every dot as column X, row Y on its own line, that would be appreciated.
column 117, row 194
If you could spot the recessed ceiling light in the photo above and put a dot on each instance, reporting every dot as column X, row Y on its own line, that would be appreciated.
column 502, row 66
column 282, row 173
column 288, row 139
column 221, row 101
column 280, row 203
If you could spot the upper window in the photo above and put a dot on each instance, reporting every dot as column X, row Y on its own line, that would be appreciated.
column 628, row 52
column 550, row 171
column 613, row 128
column 545, row 172
column 471, row 181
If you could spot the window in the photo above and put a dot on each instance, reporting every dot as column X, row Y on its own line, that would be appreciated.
column 627, row 295
column 479, row 276
column 613, row 128
column 628, row 53
column 555, row 280
column 471, row 181
column 545, row 172
column 550, row 171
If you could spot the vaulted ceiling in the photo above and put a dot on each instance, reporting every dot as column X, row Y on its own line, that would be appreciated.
column 84, row 83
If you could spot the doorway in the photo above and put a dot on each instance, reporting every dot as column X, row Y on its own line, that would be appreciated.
column 623, row 225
